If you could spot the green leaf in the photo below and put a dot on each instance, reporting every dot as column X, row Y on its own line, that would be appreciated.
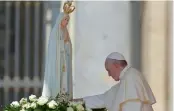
column 38, row 109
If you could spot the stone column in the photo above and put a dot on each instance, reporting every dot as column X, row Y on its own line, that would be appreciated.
column 154, row 50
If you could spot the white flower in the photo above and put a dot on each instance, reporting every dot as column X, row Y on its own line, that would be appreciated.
column 52, row 104
column 70, row 109
column 27, row 106
column 23, row 101
column 80, row 102
column 88, row 109
column 33, row 105
column 80, row 107
column 73, row 103
column 76, row 103
column 32, row 98
column 22, row 110
column 15, row 104
column 42, row 100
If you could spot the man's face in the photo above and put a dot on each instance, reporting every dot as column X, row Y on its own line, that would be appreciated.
column 113, row 70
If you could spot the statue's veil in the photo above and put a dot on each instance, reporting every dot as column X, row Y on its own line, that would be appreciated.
column 51, row 83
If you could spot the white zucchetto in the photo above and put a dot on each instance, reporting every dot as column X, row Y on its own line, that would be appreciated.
column 115, row 55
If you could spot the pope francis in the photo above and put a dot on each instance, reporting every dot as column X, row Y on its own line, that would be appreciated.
column 132, row 93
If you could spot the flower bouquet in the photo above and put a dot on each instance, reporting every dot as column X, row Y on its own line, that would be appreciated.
column 60, row 103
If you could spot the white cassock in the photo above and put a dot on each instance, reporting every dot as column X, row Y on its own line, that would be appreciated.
column 132, row 93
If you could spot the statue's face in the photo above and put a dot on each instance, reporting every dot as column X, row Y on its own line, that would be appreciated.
column 65, row 21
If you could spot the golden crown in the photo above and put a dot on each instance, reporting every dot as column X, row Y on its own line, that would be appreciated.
column 68, row 8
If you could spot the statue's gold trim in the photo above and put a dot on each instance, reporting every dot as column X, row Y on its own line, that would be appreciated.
column 68, row 8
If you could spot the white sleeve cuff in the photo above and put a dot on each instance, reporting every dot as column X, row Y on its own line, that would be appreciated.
column 94, row 101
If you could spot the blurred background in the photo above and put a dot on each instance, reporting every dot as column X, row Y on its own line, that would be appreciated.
column 25, row 29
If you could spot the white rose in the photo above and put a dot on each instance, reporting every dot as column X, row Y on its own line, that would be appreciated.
column 22, row 110
column 88, row 109
column 32, row 98
column 73, row 103
column 52, row 104
column 80, row 107
column 42, row 100
column 33, row 105
column 70, row 109
column 23, row 101
column 27, row 106
column 15, row 104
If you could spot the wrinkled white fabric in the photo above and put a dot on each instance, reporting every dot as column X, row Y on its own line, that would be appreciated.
column 51, row 83
column 131, row 92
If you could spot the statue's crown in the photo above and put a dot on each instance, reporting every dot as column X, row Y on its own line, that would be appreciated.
column 68, row 8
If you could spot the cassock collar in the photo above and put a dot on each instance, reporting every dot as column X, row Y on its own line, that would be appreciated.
column 123, row 71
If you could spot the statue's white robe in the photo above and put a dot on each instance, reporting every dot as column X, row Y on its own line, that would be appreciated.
column 58, row 63
column 132, row 93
